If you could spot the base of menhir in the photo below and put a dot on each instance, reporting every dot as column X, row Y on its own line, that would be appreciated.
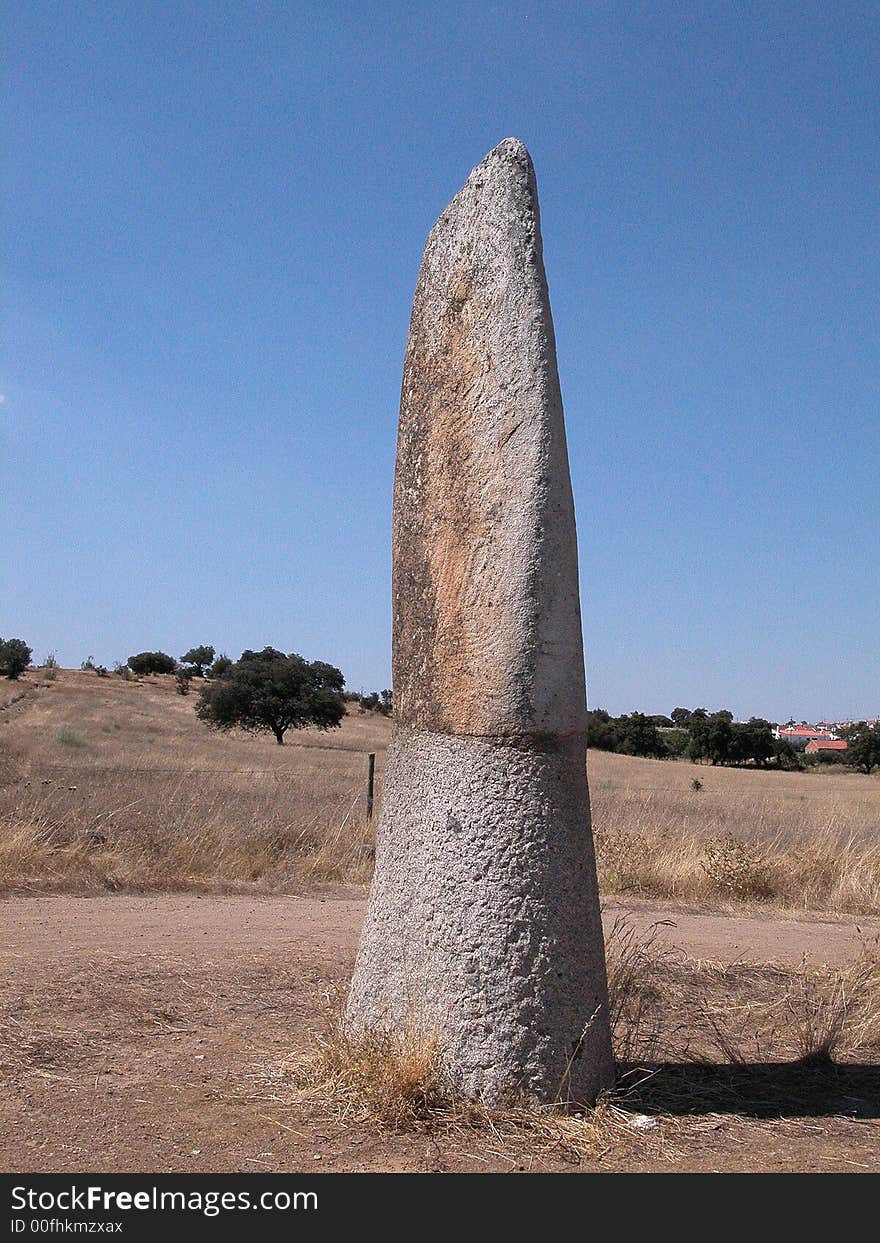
column 483, row 923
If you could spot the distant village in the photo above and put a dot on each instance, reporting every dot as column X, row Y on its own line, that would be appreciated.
column 823, row 736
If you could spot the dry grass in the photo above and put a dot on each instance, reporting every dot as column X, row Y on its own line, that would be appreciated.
column 396, row 1082
column 701, row 1039
column 116, row 785
column 637, row 966
column 106, row 784
column 689, row 1037
column 399, row 1084
column 814, row 1015
column 805, row 840
column 666, row 1007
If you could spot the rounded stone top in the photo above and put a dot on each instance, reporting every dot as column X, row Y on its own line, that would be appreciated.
column 506, row 175
column 509, row 157
column 510, row 148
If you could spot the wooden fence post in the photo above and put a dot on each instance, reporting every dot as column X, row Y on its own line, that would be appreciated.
column 371, row 768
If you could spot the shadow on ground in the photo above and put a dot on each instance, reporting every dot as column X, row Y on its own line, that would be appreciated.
column 811, row 1089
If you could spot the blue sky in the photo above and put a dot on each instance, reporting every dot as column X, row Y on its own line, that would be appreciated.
column 214, row 219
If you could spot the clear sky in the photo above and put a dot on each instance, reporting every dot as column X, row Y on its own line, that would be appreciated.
column 214, row 218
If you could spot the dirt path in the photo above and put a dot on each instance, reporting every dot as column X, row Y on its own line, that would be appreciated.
column 146, row 1033
column 36, row 930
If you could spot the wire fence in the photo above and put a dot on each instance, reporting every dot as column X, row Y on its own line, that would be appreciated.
column 178, row 770
column 365, row 791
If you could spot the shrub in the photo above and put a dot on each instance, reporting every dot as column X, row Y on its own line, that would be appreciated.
column 152, row 662
column 50, row 667
column 737, row 868
column 220, row 667
column 786, row 756
column 68, row 736
column 826, row 757
column 863, row 750
column 635, row 734
column 89, row 664
column 15, row 656
column 376, row 701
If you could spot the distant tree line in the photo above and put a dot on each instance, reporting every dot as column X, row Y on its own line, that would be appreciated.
column 374, row 701
column 197, row 662
column 695, row 734
column 635, row 734
column 273, row 691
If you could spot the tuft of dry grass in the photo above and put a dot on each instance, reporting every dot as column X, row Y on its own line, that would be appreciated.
column 395, row 1081
column 817, row 1014
column 836, row 1009
column 666, row 1007
column 637, row 966
column 398, row 1083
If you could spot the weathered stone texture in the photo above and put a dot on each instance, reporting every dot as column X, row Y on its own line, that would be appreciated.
column 483, row 922
column 485, row 592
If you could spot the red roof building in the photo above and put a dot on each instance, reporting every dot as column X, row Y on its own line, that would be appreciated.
column 800, row 732
column 825, row 744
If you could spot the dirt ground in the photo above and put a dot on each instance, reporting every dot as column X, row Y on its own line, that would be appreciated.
column 141, row 1033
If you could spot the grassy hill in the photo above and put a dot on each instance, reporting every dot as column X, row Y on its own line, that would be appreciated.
column 113, row 784
column 107, row 784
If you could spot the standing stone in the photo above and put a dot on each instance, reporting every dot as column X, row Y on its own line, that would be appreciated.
column 483, row 923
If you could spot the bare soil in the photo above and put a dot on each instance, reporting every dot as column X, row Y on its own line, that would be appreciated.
column 141, row 1033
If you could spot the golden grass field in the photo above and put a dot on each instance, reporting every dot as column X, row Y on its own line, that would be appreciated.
column 112, row 785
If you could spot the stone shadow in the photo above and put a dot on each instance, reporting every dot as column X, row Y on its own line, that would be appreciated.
column 816, row 1088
